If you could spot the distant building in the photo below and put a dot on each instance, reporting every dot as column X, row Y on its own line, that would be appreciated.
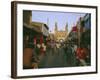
column 72, row 37
column 86, row 35
column 42, row 27
column 84, row 30
column 27, row 16
column 33, row 32
column 51, row 36
column 60, row 35
column 87, row 21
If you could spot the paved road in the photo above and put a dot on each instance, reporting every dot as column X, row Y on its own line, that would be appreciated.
column 53, row 58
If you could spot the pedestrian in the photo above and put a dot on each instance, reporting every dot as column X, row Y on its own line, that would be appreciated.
column 53, row 46
column 35, row 56
column 35, row 61
column 48, row 45
column 38, row 49
column 44, row 49
column 88, row 59
column 70, row 56
column 81, row 55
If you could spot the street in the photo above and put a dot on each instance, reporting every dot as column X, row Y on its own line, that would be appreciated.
column 54, row 58
column 49, row 45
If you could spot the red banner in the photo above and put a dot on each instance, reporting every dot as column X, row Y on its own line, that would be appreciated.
column 41, row 39
column 74, row 29
column 34, row 40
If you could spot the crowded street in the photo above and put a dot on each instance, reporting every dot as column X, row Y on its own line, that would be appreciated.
column 49, row 45
column 53, row 58
column 58, row 57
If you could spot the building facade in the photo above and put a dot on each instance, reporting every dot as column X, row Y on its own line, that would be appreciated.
column 33, row 33
column 87, row 21
column 60, row 35
column 27, row 16
column 84, row 30
column 86, row 35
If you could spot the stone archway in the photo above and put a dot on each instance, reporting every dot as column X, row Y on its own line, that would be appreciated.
column 61, row 40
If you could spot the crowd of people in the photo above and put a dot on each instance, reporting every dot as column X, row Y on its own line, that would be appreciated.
column 75, row 56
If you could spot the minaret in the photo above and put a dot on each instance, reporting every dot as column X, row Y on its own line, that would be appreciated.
column 48, row 21
column 66, row 30
column 56, row 28
column 66, row 27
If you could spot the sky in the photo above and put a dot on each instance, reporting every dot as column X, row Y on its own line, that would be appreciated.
column 62, row 18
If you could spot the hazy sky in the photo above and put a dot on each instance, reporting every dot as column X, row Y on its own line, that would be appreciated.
column 61, row 18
